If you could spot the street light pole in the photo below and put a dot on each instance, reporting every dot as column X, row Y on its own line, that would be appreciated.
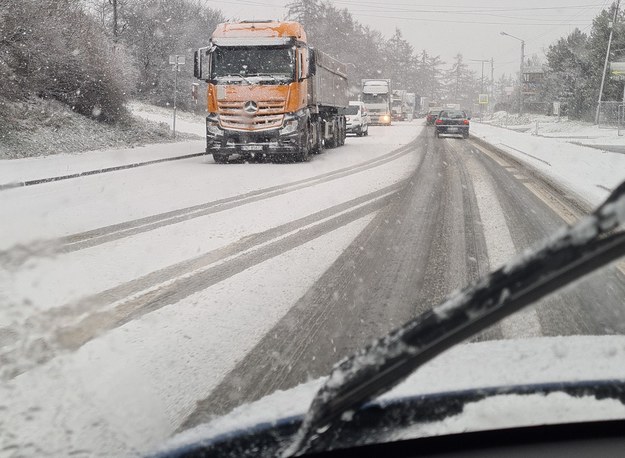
column 521, row 78
column 491, row 101
column 521, row 70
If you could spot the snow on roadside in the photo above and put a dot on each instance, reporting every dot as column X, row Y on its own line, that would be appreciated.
column 586, row 171
column 185, row 122
column 35, row 168
column 553, row 127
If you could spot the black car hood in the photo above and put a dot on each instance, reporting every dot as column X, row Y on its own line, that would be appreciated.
column 473, row 387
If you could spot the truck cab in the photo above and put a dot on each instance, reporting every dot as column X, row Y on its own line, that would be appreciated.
column 269, row 92
column 376, row 94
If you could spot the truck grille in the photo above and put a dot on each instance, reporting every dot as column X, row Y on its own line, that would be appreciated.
column 270, row 115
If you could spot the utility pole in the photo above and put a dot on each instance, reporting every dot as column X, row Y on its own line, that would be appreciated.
column 521, row 78
column 492, row 85
column 482, row 61
column 607, row 58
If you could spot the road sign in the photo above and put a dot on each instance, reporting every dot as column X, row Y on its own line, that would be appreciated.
column 176, row 60
column 483, row 100
column 617, row 68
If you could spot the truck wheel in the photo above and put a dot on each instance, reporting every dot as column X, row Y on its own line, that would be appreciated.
column 335, row 135
column 305, row 146
column 332, row 141
column 316, row 149
column 220, row 158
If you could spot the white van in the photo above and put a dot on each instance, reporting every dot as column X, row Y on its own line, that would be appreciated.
column 357, row 118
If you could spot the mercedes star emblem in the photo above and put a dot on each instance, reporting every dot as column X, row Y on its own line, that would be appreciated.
column 250, row 107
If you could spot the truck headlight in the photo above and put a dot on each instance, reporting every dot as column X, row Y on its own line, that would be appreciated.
column 290, row 126
column 212, row 127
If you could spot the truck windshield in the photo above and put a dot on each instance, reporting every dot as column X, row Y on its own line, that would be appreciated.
column 350, row 110
column 276, row 62
column 374, row 98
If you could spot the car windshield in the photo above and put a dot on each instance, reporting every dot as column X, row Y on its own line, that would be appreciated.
column 205, row 206
column 375, row 98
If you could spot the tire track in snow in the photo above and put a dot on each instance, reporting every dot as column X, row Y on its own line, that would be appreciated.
column 17, row 255
column 500, row 247
column 414, row 252
column 67, row 328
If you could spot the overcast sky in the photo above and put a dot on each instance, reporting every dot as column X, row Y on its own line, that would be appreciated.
column 451, row 26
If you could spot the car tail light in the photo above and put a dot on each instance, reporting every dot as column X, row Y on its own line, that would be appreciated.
column 466, row 122
column 439, row 121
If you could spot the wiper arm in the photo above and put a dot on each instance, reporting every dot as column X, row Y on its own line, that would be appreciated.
column 269, row 75
column 571, row 253
column 229, row 75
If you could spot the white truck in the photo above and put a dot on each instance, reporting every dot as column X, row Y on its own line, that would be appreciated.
column 410, row 105
column 376, row 94
column 398, row 104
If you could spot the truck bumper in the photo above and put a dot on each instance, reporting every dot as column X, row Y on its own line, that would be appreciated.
column 252, row 144
column 380, row 120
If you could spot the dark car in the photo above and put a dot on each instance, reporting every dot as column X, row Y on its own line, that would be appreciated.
column 453, row 122
column 432, row 115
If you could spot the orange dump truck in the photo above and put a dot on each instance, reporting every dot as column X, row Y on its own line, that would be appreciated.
column 269, row 92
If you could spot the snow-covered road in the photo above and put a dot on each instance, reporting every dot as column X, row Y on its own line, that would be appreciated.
column 144, row 300
column 137, row 291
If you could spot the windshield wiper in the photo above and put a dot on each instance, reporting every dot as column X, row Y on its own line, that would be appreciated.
column 229, row 75
column 571, row 253
column 268, row 75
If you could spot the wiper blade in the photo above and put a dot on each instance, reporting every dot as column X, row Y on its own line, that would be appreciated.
column 267, row 75
column 571, row 253
column 230, row 75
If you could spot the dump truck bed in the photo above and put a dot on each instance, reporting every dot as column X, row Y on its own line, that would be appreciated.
column 329, row 88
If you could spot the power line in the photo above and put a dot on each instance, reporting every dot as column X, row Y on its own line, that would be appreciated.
column 460, row 22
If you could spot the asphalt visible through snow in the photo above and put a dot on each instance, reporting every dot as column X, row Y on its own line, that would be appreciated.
column 463, row 212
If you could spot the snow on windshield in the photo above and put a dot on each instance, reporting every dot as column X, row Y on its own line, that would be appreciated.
column 189, row 221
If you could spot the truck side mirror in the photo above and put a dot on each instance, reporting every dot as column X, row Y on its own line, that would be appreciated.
column 197, row 66
column 312, row 62
column 201, row 64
